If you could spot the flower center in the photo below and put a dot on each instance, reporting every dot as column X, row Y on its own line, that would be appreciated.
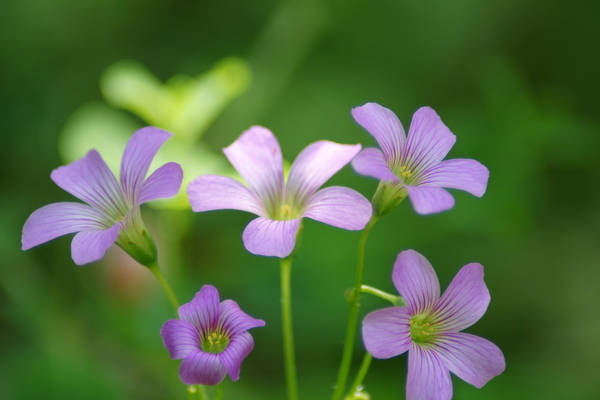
column 286, row 212
column 215, row 342
column 405, row 173
column 420, row 329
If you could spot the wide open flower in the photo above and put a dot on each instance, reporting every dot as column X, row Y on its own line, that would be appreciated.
column 210, row 337
column 428, row 327
column 281, row 205
column 112, row 212
column 412, row 166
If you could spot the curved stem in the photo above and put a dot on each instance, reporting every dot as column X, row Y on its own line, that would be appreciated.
column 289, row 353
column 362, row 372
column 353, row 314
column 165, row 285
column 397, row 301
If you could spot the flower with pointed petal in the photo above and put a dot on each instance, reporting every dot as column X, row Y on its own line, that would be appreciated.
column 429, row 328
column 412, row 166
column 210, row 337
column 279, row 204
column 112, row 212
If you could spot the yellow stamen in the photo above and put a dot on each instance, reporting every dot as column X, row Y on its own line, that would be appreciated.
column 405, row 172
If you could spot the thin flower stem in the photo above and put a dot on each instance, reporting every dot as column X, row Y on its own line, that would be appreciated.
column 165, row 285
column 289, row 353
column 340, row 385
column 202, row 393
column 197, row 392
column 219, row 391
column 362, row 372
column 395, row 300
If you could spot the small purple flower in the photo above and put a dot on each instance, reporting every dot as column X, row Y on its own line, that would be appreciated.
column 210, row 337
column 281, row 204
column 112, row 212
column 412, row 166
column 428, row 327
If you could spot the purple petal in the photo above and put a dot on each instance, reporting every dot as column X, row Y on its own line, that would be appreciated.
column 371, row 162
column 464, row 302
column 163, row 183
column 137, row 157
column 385, row 127
column 89, row 179
column 232, row 357
column 58, row 219
column 429, row 199
column 464, row 174
column 203, row 311
column 200, row 368
column 318, row 162
column 213, row 192
column 428, row 142
column 428, row 377
column 90, row 245
column 386, row 333
column 234, row 321
column 340, row 207
column 256, row 156
column 267, row 237
column 472, row 358
column 180, row 338
column 416, row 281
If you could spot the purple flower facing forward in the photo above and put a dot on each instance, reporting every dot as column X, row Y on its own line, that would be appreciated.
column 429, row 326
column 412, row 166
column 210, row 337
column 281, row 205
column 112, row 212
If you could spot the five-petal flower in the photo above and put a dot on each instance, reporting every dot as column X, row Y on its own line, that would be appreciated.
column 281, row 204
column 210, row 337
column 112, row 212
column 429, row 326
column 412, row 166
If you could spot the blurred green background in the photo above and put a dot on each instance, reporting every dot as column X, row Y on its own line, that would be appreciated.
column 516, row 81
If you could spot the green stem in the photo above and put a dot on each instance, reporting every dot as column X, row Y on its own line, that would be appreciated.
column 165, row 285
column 197, row 392
column 192, row 392
column 219, row 391
column 202, row 393
column 353, row 314
column 395, row 300
column 288, row 334
column 362, row 372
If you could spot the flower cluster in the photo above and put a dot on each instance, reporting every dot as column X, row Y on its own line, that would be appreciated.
column 210, row 336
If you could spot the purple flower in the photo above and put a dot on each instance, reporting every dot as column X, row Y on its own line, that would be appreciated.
column 429, row 326
column 210, row 337
column 281, row 205
column 112, row 212
column 412, row 166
